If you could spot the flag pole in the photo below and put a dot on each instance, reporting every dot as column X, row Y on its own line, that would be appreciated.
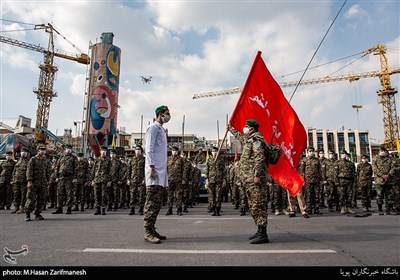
column 223, row 140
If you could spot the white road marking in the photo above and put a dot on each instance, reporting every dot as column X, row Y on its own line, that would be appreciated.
column 170, row 251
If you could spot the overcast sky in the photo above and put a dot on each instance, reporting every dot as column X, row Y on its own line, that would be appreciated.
column 192, row 47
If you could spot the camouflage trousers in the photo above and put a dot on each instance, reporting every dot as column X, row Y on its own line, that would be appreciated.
column 35, row 198
column 280, row 200
column 152, row 206
column 89, row 194
column 20, row 190
column 396, row 197
column 235, row 194
column 332, row 194
column 137, row 194
column 53, row 193
column 312, row 196
column 345, row 191
column 101, row 194
column 79, row 196
column 215, row 194
column 186, row 194
column 243, row 198
column 66, row 189
column 6, row 195
column 365, row 188
column 384, row 194
column 257, row 195
column 174, row 190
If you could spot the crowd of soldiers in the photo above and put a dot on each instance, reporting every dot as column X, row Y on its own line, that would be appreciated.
column 110, row 182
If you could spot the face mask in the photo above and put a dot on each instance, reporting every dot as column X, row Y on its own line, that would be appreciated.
column 24, row 154
column 138, row 152
column 321, row 155
column 382, row 153
column 246, row 130
column 214, row 153
column 330, row 156
column 42, row 152
column 113, row 155
column 364, row 160
column 103, row 153
column 174, row 153
column 68, row 151
column 165, row 118
column 343, row 156
column 310, row 154
column 8, row 157
column 90, row 161
column 80, row 158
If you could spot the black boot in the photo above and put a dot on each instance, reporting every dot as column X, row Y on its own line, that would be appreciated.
column 179, row 211
column 115, row 207
column 38, row 216
column 262, row 237
column 82, row 207
column 97, row 212
column 109, row 208
column 159, row 236
column 87, row 206
column 51, row 205
column 103, row 211
column 242, row 211
column 58, row 211
column 211, row 210
column 256, row 234
column 218, row 211
column 28, row 217
column 380, row 209
column 68, row 211
column 169, row 212
column 76, row 208
column 132, row 212
column 185, row 209
column 215, row 211
column 140, row 211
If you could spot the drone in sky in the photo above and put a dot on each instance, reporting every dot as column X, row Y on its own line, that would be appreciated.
column 146, row 80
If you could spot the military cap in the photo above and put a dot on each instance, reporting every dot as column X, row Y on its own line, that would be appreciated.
column 344, row 152
column 364, row 156
column 113, row 151
column 331, row 152
column 310, row 148
column 253, row 123
column 161, row 108
column 139, row 147
column 91, row 158
column 80, row 154
column 41, row 147
column 175, row 148
column 104, row 147
column 25, row 150
column 67, row 146
column 383, row 148
column 215, row 148
column 9, row 152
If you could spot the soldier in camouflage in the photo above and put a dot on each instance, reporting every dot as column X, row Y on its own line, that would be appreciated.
column 102, row 181
column 196, row 182
column 187, row 169
column 66, row 180
column 37, row 176
column 346, row 175
column 136, row 181
column 176, row 167
column 82, row 177
column 384, row 172
column 89, row 190
column 53, row 181
column 396, row 181
column 114, row 189
column 19, row 181
column 364, row 182
column 321, row 191
column 214, row 178
column 332, row 179
column 123, row 186
column 6, row 189
column 200, row 157
column 310, row 169
column 254, row 174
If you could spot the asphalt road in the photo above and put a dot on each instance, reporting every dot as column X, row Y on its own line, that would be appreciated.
column 197, row 239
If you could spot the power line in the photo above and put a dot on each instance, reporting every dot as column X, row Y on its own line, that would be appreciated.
column 14, row 21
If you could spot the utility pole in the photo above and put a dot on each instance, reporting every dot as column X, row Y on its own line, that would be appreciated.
column 183, row 134
column 141, row 130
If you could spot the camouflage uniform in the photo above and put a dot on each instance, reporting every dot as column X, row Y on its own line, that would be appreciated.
column 346, row 175
column 233, row 178
column 82, row 177
column 137, row 187
column 382, row 167
column 6, row 189
column 19, row 184
column 124, row 187
column 196, row 182
column 89, row 189
column 310, row 169
column 215, row 175
column 321, row 189
column 102, row 169
column 53, row 182
column 38, row 172
column 364, row 184
column 396, row 184
column 114, row 189
column 200, row 158
column 175, row 177
column 187, row 169
column 280, row 199
column 331, row 173
column 66, row 182
column 253, row 163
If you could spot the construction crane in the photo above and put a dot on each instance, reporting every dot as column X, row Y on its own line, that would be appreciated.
column 45, row 91
column 386, row 94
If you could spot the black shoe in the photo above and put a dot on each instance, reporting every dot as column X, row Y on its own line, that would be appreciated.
column 140, row 211
column 292, row 214
column 38, row 217
column 103, row 211
column 261, row 237
column 305, row 215
column 132, row 212
column 97, row 212
column 28, row 217
column 76, row 208
column 68, row 211
column 169, row 212
column 58, row 211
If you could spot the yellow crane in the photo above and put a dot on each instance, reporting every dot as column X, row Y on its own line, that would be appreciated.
column 45, row 91
column 386, row 94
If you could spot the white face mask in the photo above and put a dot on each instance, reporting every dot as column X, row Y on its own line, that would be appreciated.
column 24, row 154
column 138, row 152
column 364, row 160
column 321, row 155
column 174, row 153
column 42, row 152
column 214, row 153
column 165, row 118
column 382, row 153
column 246, row 130
column 343, row 156
column 80, row 158
column 310, row 154
column 8, row 157
column 331, row 156
column 103, row 153
column 68, row 151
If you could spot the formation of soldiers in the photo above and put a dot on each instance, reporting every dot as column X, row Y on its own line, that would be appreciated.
column 72, row 182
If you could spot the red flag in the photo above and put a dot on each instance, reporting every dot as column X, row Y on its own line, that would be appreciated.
column 262, row 99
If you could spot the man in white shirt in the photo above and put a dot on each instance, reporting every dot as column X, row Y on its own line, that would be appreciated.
column 155, row 172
